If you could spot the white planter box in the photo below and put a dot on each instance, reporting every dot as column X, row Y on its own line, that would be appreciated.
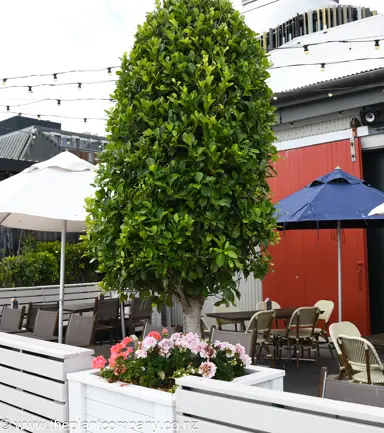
column 121, row 406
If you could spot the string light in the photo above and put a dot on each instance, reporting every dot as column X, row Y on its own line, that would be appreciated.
column 58, row 84
column 85, row 120
column 54, row 115
column 59, row 102
column 377, row 44
column 78, row 86
column 322, row 67
column 330, row 94
column 30, row 89
column 8, row 108
column 109, row 71
column 306, row 49
column 38, row 116
column 55, row 77
column 4, row 81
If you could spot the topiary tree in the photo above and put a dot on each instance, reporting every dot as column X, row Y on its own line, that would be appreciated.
column 183, row 203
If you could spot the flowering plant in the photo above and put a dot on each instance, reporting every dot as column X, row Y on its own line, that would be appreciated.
column 159, row 359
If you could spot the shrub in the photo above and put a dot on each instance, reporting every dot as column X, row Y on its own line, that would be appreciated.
column 30, row 269
column 159, row 360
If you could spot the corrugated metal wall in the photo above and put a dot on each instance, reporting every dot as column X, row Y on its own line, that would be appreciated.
column 305, row 261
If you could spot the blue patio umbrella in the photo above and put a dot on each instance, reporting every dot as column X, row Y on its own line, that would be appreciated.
column 337, row 200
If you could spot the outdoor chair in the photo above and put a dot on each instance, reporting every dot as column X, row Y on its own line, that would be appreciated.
column 342, row 328
column 107, row 311
column 261, row 323
column 33, row 308
column 45, row 326
column 11, row 319
column 140, row 312
column 153, row 328
column 262, row 306
column 247, row 340
column 326, row 308
column 299, row 332
column 361, row 360
column 225, row 309
column 205, row 329
column 81, row 330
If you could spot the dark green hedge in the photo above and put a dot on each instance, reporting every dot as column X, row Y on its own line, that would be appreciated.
column 39, row 264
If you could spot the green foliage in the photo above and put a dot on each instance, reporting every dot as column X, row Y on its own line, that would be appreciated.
column 39, row 265
column 183, row 201
column 30, row 269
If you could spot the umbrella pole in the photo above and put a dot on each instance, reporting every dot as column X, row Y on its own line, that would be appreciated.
column 62, row 279
column 122, row 319
column 339, row 282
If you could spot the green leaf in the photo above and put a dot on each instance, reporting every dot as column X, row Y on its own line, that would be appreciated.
column 154, row 229
column 188, row 138
column 231, row 253
column 199, row 176
column 220, row 260
column 224, row 202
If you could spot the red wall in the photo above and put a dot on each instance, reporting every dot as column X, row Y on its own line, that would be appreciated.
column 305, row 262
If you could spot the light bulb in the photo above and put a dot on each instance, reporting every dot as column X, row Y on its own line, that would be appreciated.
column 85, row 120
column 322, row 67
column 55, row 77
column 4, row 81
column 330, row 94
column 59, row 102
column 377, row 44
column 274, row 97
column 109, row 71
column 8, row 108
column 79, row 86
column 30, row 89
column 306, row 49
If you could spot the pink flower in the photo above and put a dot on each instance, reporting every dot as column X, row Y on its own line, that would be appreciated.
column 207, row 369
column 155, row 334
column 126, row 341
column 117, row 348
column 141, row 353
column 245, row 359
column 99, row 362
column 165, row 331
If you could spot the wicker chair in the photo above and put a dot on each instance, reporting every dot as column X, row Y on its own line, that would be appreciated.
column 327, row 308
column 225, row 309
column 261, row 323
column 342, row 328
column 299, row 332
column 362, row 362
column 12, row 319
column 245, row 339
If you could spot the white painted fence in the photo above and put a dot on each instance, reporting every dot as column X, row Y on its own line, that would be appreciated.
column 210, row 406
column 33, row 384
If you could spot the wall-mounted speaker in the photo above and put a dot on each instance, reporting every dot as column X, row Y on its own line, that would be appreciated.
column 372, row 116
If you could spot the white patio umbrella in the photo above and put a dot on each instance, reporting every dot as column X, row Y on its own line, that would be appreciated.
column 49, row 196
column 378, row 210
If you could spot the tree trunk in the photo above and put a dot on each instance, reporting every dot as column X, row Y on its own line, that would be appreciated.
column 192, row 313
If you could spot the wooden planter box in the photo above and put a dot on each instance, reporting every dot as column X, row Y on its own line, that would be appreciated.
column 117, row 405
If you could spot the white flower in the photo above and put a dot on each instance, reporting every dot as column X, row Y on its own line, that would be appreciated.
column 207, row 369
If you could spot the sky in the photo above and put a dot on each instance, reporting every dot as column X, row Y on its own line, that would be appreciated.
column 46, row 37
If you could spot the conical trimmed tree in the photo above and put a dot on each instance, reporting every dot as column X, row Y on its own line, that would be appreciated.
column 183, row 205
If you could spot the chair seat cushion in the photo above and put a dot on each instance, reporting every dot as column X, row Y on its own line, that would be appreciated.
column 377, row 376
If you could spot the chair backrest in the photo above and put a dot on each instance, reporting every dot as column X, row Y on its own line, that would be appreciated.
column 140, row 310
column 342, row 328
column 359, row 353
column 262, row 322
column 247, row 340
column 33, row 308
column 304, row 317
column 46, row 323
column 153, row 328
column 107, row 310
column 81, row 330
column 224, row 309
column 12, row 318
column 204, row 325
column 263, row 305
column 327, row 308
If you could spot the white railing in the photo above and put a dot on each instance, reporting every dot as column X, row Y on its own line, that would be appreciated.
column 33, row 382
column 222, row 407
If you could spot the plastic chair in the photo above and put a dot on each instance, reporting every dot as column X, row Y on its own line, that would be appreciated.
column 12, row 319
column 359, row 353
column 81, row 330
column 300, row 332
column 245, row 339
column 153, row 328
column 342, row 328
column 327, row 308
column 261, row 324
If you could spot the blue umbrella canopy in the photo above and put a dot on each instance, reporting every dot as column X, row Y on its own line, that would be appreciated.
column 337, row 197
